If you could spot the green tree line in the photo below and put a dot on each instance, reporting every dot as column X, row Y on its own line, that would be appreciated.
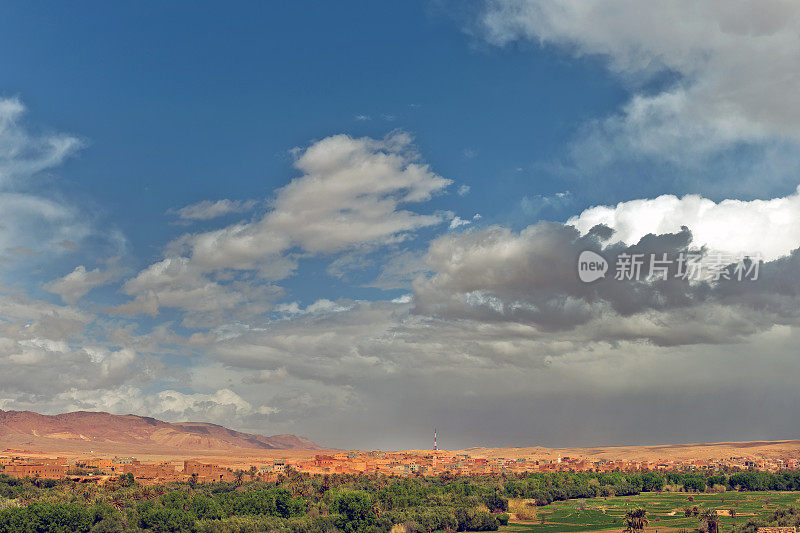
column 300, row 503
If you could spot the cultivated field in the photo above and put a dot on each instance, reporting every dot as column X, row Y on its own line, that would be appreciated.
column 664, row 510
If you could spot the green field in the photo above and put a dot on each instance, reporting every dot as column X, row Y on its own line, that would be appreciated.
column 664, row 510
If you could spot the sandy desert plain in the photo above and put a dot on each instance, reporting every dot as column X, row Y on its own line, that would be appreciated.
column 238, row 458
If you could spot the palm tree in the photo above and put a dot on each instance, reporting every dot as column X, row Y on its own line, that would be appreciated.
column 710, row 517
column 118, row 501
column 238, row 475
column 636, row 520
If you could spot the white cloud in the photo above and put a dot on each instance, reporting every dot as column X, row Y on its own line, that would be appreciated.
column 399, row 270
column 495, row 314
column 322, row 305
column 246, row 246
column 23, row 155
column 26, row 317
column 497, row 275
column 377, row 358
column 350, row 193
column 38, row 222
column 45, row 349
column 458, row 222
column 222, row 406
column 207, row 209
column 178, row 282
column 463, row 190
column 770, row 227
column 349, row 197
column 735, row 65
column 176, row 403
column 78, row 283
column 533, row 206
column 29, row 220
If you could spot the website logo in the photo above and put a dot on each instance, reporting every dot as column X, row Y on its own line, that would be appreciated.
column 591, row 266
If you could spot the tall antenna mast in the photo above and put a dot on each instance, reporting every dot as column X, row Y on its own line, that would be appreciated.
column 435, row 443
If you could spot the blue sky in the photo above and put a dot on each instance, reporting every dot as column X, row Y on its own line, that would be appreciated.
column 347, row 149
column 181, row 99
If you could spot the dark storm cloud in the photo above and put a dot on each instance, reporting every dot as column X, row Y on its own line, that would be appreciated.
column 531, row 278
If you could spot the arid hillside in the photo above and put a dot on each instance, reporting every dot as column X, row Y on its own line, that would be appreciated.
column 84, row 430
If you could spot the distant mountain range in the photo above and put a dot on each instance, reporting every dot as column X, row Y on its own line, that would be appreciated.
column 104, row 431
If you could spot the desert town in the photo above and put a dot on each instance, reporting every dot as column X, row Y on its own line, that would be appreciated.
column 23, row 464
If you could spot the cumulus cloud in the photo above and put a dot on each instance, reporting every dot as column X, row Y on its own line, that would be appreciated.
column 498, row 326
column 322, row 305
column 496, row 315
column 357, row 181
column 42, row 368
column 706, row 79
column 767, row 227
column 23, row 316
column 530, row 277
column 178, row 282
column 46, row 349
column 207, row 209
column 328, row 346
column 222, row 406
column 500, row 299
column 457, row 222
column 350, row 196
column 368, row 343
column 378, row 360
column 77, row 284
column 399, row 270
column 736, row 60
column 56, row 358
column 500, row 316
column 496, row 274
